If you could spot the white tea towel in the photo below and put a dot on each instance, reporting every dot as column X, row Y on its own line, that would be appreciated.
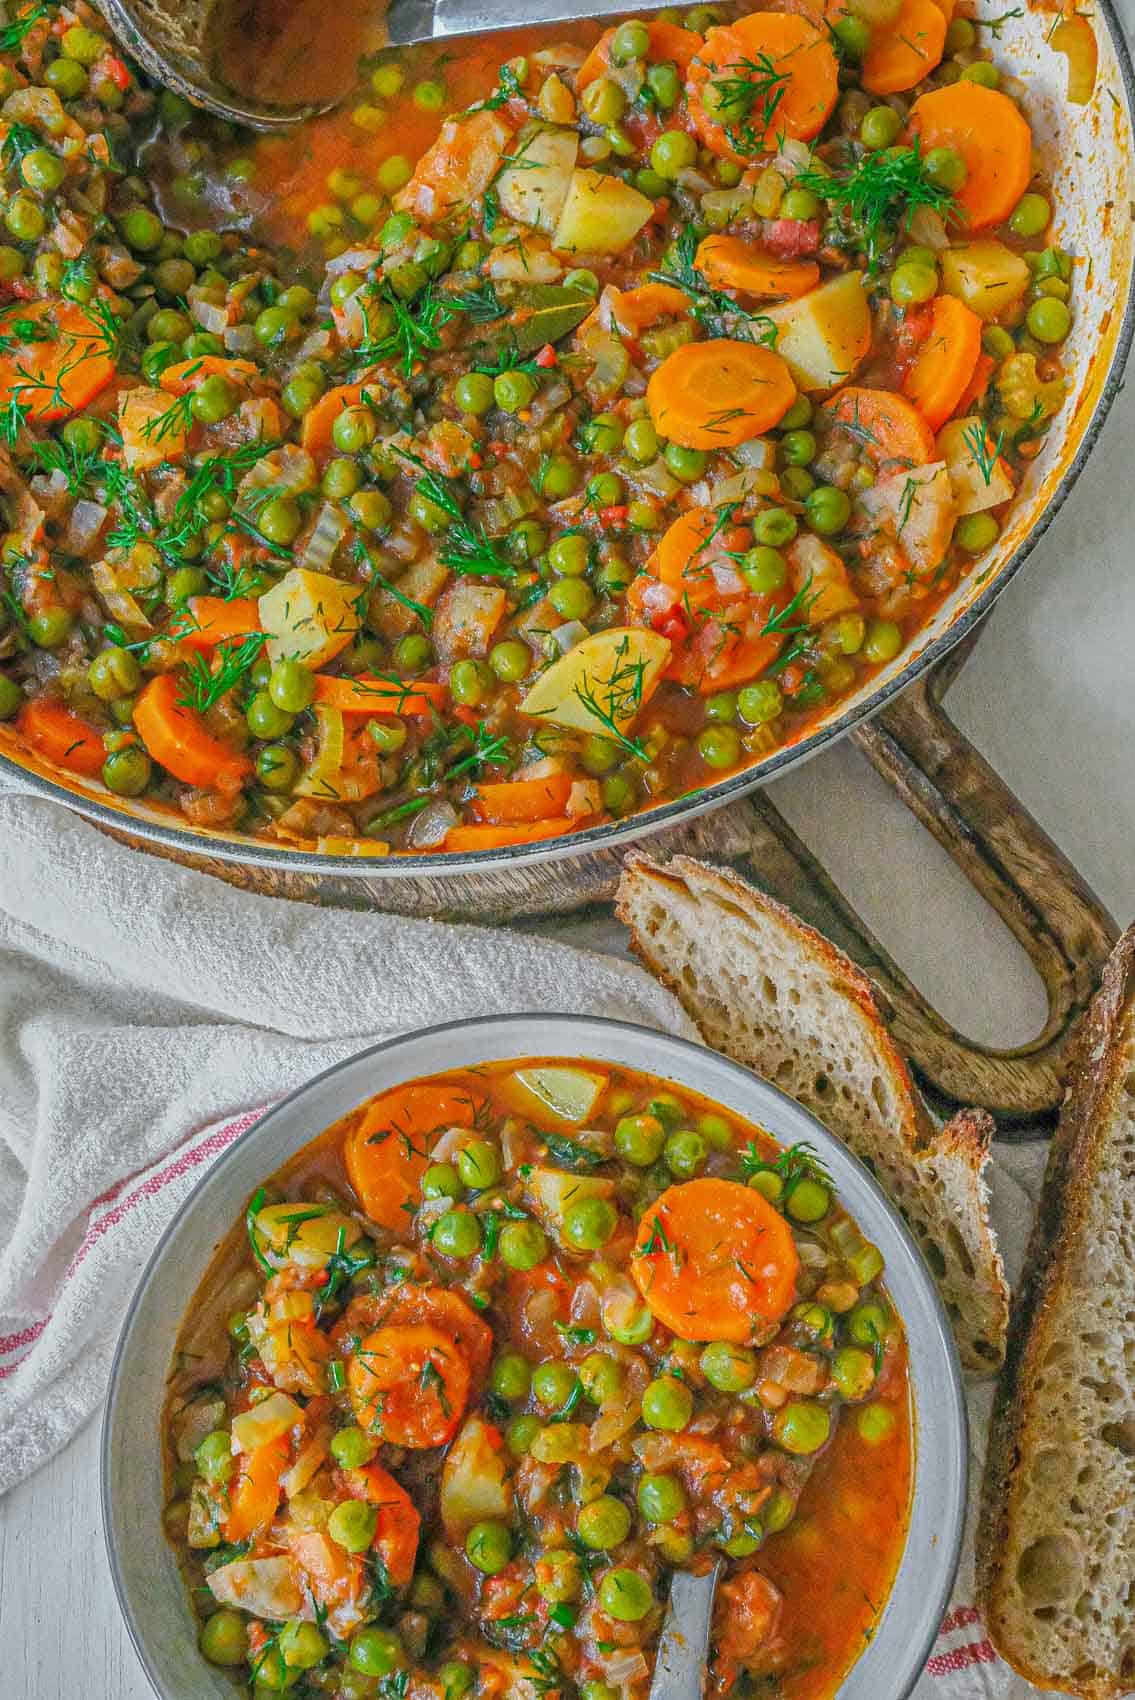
column 141, row 1004
column 148, row 1014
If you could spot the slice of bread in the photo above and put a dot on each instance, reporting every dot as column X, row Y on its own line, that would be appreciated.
column 1056, row 1543
column 770, row 992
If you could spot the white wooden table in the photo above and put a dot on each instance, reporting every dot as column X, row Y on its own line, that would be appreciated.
column 1047, row 697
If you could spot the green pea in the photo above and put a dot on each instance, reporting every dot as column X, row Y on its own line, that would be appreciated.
column 1049, row 320
column 761, row 702
column 513, row 391
column 1031, row 216
column 48, row 272
column 376, row 1652
column 664, row 84
column 267, row 720
column 911, row 285
column 946, row 168
column 625, row 1595
column 630, row 41
column 413, row 653
column 457, row 1234
column 572, row 598
column 488, row 1546
column 563, row 1580
column 600, row 1690
column 280, row 520
column 51, row 629
column 603, row 435
column 25, row 219
column 511, row 1377
column 523, row 1245
column 302, row 1646
column 982, row 72
column 875, row 1423
column 604, row 102
column 354, row 430
column 661, row 1498
column 850, row 630
column 352, row 1525
column 456, row 1679
column 601, row 1377
column 214, row 1456
column 371, row 509
column 639, row 1139
column 200, row 343
column 802, row 1426
column 114, row 673
column 598, row 755
column 341, row 478
column 469, row 684
column 798, row 448
column 520, row 1434
column 588, row 1224
column 67, row 77
column 174, row 277
column 605, row 490
column 141, row 229
column 880, row 127
column 388, row 736
column 291, row 686
column 640, row 442
column 43, row 170
column 277, row 767
column 11, row 697
column 510, row 660
column 674, row 151
column 479, row 1164
column 473, row 393
column 884, row 638
column 723, row 706
column 203, row 246
column 720, row 746
column 853, row 1371
column 667, row 1403
column 352, row 1447
column 619, row 794
column 764, row 569
column 553, row 1384
column 526, row 540
column 687, row 465
column 775, row 526
column 827, row 509
column 685, row 1153
column 11, row 262
column 960, row 33
column 604, row 1523
column 441, row 1180
column 274, row 326
column 853, row 35
column 214, row 400
column 224, row 1635
column 808, row 1201
column 868, row 1322
column 731, row 1369
column 800, row 204
column 559, row 478
column 429, row 96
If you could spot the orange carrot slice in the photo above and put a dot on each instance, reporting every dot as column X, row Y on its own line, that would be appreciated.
column 178, row 739
column 907, row 50
column 61, row 737
column 975, row 390
column 946, row 362
column 637, row 309
column 388, row 1150
column 468, row 839
column 714, row 1260
column 409, row 1385
column 888, row 427
column 189, row 375
column 57, row 361
column 364, row 694
column 450, row 1314
column 994, row 140
column 210, row 620
column 255, row 1492
column 396, row 1537
column 667, row 41
column 792, row 93
column 728, row 262
column 523, row 799
column 716, row 394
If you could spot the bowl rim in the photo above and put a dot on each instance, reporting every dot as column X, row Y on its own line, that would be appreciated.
column 948, row 1538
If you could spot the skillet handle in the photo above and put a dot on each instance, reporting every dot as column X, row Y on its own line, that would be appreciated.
column 1007, row 857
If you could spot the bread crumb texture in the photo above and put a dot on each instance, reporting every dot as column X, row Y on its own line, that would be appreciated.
column 772, row 993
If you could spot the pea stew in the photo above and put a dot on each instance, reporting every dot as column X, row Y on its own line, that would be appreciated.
column 557, row 428
column 496, row 1354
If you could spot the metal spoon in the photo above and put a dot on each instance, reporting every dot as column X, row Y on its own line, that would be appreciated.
column 409, row 21
column 683, row 1647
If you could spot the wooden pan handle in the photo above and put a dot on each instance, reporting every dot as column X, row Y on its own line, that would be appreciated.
column 1007, row 857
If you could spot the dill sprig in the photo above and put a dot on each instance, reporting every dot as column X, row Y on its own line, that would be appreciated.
column 488, row 750
column 174, row 421
column 881, row 194
column 13, row 35
column 204, row 686
column 481, row 305
column 365, row 558
column 620, row 700
column 467, row 548
column 20, row 140
column 508, row 88
column 758, row 92
column 416, row 330
column 985, row 457
column 78, row 466
column 710, row 307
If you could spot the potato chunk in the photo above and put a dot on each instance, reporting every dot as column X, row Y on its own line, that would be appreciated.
column 825, row 334
column 986, row 275
column 612, row 673
column 533, row 189
column 601, row 215
column 309, row 617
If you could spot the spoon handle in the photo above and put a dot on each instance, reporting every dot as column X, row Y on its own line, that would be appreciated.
column 408, row 21
column 679, row 1669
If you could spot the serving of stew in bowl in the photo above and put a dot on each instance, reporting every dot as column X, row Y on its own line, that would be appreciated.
column 564, row 428
column 461, row 1352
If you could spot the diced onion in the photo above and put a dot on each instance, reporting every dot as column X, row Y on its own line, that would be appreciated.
column 727, row 579
column 928, row 230
column 566, row 637
column 87, row 520
column 353, row 260
column 429, row 829
column 449, row 1144
column 239, row 339
column 561, row 55
column 208, row 314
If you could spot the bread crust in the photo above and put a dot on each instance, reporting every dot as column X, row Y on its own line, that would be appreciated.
column 936, row 1176
column 1050, row 1310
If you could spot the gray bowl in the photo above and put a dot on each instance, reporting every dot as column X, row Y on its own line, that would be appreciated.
column 146, row 1578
